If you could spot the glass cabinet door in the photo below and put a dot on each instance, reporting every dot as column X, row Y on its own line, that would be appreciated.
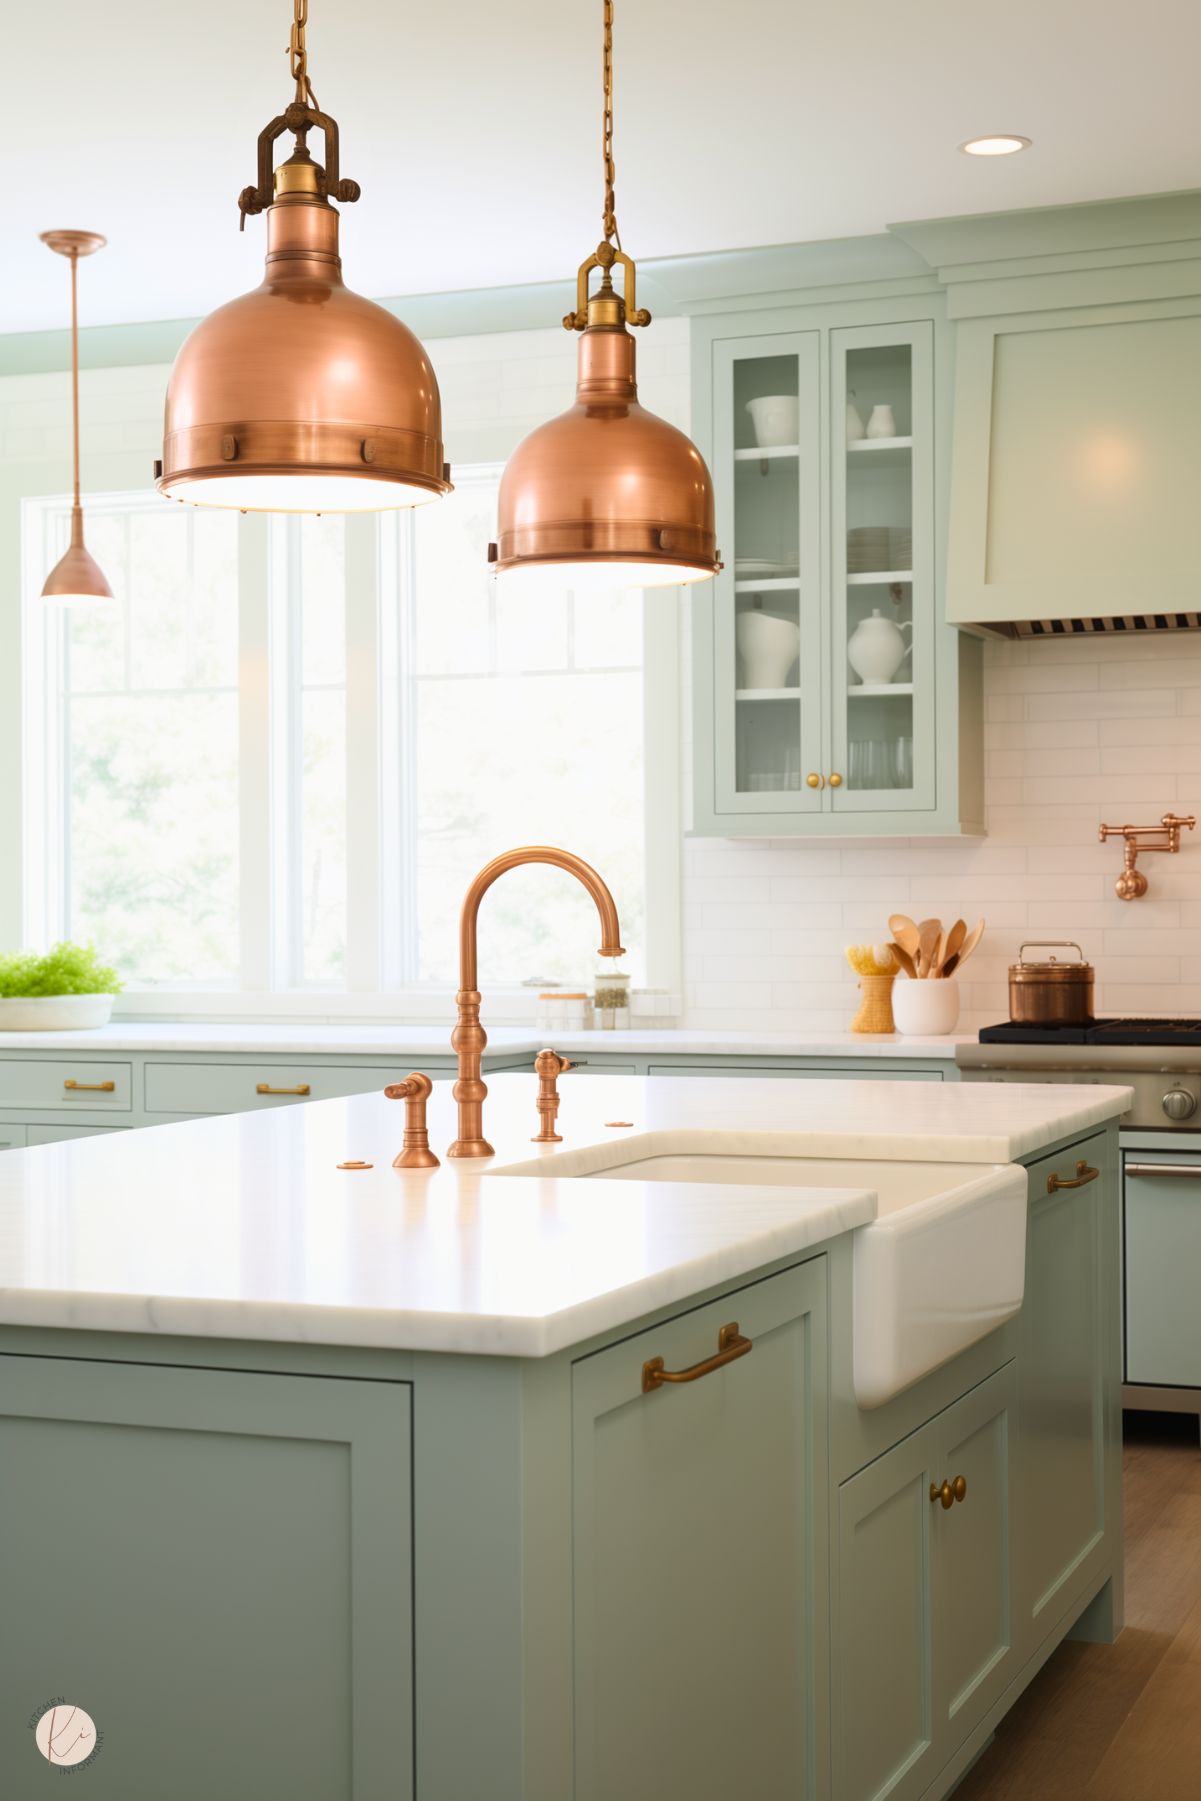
column 882, row 569
column 768, row 655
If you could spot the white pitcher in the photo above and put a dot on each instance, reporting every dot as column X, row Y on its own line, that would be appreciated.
column 877, row 647
column 882, row 423
column 768, row 647
column 854, row 419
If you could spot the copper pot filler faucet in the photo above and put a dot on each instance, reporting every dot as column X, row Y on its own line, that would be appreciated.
column 469, row 1038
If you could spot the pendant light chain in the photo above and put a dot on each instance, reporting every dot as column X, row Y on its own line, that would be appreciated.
column 299, row 56
column 612, row 235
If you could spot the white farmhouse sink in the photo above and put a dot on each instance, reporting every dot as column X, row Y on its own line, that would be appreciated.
column 942, row 1265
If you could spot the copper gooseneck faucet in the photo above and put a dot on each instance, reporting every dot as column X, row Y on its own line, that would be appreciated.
column 469, row 1038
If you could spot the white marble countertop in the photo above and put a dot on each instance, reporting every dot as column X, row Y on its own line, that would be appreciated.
column 434, row 1040
column 243, row 1226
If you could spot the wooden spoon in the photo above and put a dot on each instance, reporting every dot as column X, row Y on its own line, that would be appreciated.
column 969, row 944
column 929, row 933
column 953, row 946
column 904, row 959
column 905, row 933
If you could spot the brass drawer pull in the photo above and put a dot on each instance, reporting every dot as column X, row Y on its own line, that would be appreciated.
column 90, row 1087
column 949, row 1492
column 730, row 1345
column 266, row 1088
column 1084, row 1174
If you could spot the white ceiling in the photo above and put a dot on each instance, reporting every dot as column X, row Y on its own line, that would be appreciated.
column 473, row 128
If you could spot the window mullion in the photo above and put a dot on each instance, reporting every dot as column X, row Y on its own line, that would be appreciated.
column 256, row 885
column 363, row 761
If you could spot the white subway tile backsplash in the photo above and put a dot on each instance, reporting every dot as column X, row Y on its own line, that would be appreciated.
column 1091, row 729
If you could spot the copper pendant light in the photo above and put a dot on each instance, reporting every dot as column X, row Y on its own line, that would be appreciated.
column 607, row 494
column 302, row 396
column 77, row 576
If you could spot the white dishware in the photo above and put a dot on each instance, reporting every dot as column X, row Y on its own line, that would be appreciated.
column 881, row 424
column 55, row 1012
column 854, row 419
column 775, row 418
column 768, row 647
column 763, row 569
column 925, row 1009
column 877, row 647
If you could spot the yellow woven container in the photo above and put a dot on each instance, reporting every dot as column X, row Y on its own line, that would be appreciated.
column 875, row 1009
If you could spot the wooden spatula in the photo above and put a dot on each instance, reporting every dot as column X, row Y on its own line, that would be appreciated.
column 969, row 944
column 929, row 933
column 905, row 933
column 904, row 959
column 953, row 945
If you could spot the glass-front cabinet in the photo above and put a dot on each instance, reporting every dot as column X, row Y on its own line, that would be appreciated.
column 827, row 686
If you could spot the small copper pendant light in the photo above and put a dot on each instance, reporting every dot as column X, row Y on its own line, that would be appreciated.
column 607, row 494
column 77, row 576
column 302, row 396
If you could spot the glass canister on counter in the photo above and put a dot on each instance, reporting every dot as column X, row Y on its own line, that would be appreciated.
column 563, row 1011
column 611, row 995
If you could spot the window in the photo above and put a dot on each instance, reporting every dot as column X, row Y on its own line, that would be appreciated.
column 277, row 761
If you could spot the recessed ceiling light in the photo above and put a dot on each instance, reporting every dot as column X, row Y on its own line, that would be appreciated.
column 1001, row 143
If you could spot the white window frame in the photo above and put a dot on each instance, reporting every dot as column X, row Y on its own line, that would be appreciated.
column 381, row 978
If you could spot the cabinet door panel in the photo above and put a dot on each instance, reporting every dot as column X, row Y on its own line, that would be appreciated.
column 883, row 1673
column 699, row 1557
column 216, row 1567
column 1061, row 1509
column 973, row 1636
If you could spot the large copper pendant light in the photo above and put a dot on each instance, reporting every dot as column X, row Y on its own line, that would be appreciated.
column 302, row 396
column 77, row 576
column 607, row 494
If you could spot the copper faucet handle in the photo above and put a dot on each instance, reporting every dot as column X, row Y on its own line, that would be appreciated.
column 414, row 1091
column 549, row 1066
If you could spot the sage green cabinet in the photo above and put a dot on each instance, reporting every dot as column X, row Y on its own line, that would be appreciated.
column 1063, row 1361
column 922, row 1639
column 700, row 1552
column 216, row 1566
column 826, row 429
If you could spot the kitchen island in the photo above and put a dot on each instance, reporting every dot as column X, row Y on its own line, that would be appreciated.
column 330, row 1483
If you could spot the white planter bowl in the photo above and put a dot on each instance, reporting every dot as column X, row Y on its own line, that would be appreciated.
column 925, row 1009
column 776, row 419
column 55, row 1012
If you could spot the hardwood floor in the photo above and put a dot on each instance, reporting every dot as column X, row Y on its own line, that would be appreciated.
column 1122, row 1722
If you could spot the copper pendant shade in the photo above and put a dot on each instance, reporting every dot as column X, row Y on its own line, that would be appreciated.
column 607, row 494
column 302, row 396
column 77, row 576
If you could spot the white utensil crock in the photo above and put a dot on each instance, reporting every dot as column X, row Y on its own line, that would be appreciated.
column 881, row 424
column 776, row 419
column 925, row 1009
column 768, row 647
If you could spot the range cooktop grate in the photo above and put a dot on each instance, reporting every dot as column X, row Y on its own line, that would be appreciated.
column 1098, row 1031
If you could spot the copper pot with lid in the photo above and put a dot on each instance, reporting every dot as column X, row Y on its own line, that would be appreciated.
column 1051, row 993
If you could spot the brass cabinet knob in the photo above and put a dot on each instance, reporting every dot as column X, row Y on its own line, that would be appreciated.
column 959, row 1488
column 836, row 780
column 949, row 1492
column 814, row 780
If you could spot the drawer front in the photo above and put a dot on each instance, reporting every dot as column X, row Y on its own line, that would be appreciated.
column 858, row 1074
column 57, row 1134
column 11, row 1138
column 1163, row 1255
column 77, row 1086
column 234, row 1088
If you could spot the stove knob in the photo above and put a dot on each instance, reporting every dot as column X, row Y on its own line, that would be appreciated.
column 1178, row 1103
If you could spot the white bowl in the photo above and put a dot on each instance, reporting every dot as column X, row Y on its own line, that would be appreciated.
column 776, row 419
column 55, row 1012
column 925, row 1009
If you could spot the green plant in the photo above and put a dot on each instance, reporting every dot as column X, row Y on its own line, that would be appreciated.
column 65, row 969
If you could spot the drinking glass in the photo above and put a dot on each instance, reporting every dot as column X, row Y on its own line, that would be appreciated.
column 902, row 762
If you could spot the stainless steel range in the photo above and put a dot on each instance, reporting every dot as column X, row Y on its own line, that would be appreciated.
column 1161, row 1156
